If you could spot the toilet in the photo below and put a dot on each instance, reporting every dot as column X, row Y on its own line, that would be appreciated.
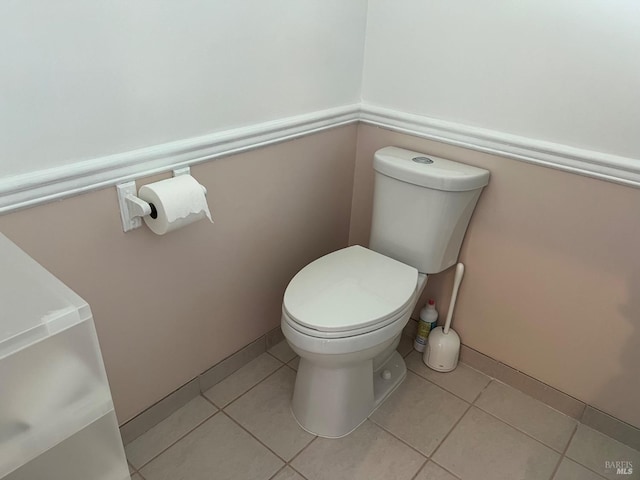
column 343, row 314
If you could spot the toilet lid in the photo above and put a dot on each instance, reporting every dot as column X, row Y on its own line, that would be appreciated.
column 349, row 289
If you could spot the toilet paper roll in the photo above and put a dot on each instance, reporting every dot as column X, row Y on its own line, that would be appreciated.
column 178, row 201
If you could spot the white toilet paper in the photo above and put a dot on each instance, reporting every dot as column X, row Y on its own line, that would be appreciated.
column 178, row 201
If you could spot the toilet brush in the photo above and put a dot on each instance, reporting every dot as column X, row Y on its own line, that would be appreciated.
column 443, row 344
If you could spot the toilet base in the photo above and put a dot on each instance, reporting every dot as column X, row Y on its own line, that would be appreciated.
column 383, row 387
column 333, row 402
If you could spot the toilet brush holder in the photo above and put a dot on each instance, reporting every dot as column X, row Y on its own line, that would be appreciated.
column 442, row 351
column 443, row 344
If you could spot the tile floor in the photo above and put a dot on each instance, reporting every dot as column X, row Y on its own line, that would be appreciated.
column 460, row 425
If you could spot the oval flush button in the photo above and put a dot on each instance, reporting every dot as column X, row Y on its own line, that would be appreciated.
column 425, row 160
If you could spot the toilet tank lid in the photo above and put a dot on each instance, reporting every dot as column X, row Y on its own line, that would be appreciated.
column 429, row 171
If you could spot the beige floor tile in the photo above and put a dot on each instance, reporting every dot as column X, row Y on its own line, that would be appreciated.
column 405, row 347
column 527, row 414
column 154, row 441
column 288, row 473
column 368, row 453
column 464, row 381
column 218, row 449
column 242, row 380
column 570, row 470
column 482, row 447
column 420, row 413
column 431, row 471
column 266, row 412
column 593, row 449
column 282, row 351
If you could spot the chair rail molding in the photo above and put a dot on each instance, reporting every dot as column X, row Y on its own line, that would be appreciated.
column 42, row 186
column 604, row 166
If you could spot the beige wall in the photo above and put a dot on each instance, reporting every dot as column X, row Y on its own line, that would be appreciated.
column 166, row 308
column 552, row 282
column 552, row 285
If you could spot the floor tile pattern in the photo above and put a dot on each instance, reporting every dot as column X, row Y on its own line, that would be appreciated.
column 461, row 425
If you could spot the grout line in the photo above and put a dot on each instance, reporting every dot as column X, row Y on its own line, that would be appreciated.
column 427, row 457
column 481, row 391
column 397, row 438
column 305, row 447
column 291, row 467
column 272, row 355
column 586, row 468
column 520, row 429
column 408, row 353
column 564, row 454
column 450, row 430
column 439, row 386
column 211, row 402
column 248, row 390
column 279, row 359
column 180, row 438
column 262, row 350
column 291, row 361
column 529, row 378
column 156, row 406
column 503, row 421
column 494, row 416
column 197, row 378
column 469, row 405
column 564, row 451
column 445, row 469
column 256, row 438
column 284, row 365
column 513, row 387
column 291, row 368
column 278, row 472
column 420, row 469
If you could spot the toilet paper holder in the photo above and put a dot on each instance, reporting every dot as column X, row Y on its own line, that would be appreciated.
column 133, row 208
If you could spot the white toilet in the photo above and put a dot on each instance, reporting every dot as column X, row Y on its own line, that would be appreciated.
column 343, row 314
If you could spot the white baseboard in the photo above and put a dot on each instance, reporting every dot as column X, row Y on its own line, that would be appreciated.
column 43, row 186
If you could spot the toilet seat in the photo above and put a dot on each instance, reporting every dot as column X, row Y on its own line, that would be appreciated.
column 343, row 334
column 349, row 292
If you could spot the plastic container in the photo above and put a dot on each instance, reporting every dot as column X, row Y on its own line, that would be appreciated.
column 428, row 319
column 56, row 414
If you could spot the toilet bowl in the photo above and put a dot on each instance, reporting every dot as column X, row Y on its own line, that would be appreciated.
column 343, row 314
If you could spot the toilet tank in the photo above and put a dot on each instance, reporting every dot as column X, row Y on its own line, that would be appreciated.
column 422, row 206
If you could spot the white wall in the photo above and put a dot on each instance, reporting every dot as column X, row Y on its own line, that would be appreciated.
column 86, row 79
column 82, row 80
column 561, row 71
